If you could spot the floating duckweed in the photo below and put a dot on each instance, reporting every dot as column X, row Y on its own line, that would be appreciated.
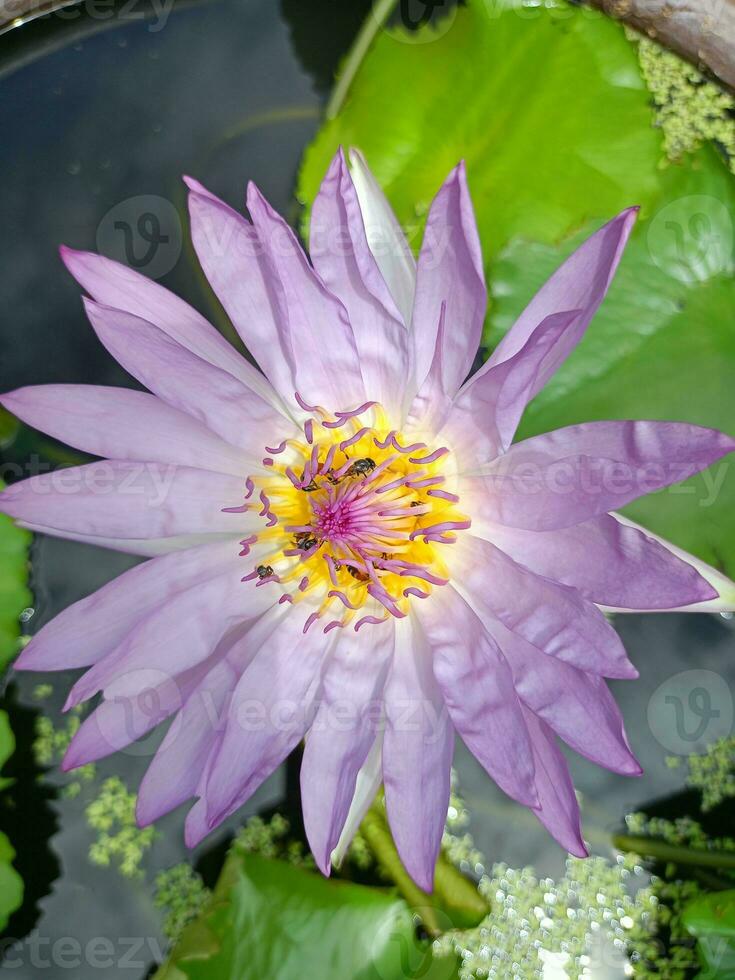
column 538, row 920
column 119, row 839
column 42, row 691
column 457, row 844
column 689, row 108
column 51, row 743
column 181, row 892
column 651, row 958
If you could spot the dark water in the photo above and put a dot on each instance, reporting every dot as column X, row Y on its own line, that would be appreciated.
column 99, row 120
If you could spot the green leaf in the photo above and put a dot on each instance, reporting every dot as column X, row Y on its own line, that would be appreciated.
column 271, row 919
column 545, row 103
column 14, row 594
column 11, row 884
column 662, row 345
column 711, row 919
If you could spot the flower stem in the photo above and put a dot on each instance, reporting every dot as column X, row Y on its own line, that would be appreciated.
column 455, row 901
column 660, row 850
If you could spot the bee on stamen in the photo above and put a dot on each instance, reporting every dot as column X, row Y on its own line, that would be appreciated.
column 264, row 571
column 305, row 540
column 356, row 573
column 361, row 467
column 311, row 486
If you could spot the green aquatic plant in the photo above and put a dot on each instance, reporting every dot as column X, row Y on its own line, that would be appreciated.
column 712, row 772
column 271, row 839
column 689, row 108
column 182, row 894
column 119, row 839
column 51, row 742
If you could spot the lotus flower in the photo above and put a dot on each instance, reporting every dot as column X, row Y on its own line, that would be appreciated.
column 348, row 548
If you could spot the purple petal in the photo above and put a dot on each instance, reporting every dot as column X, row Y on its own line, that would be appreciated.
column 270, row 712
column 385, row 236
column 559, row 810
column 486, row 413
column 432, row 404
column 234, row 262
column 417, row 756
column 554, row 617
column 567, row 476
column 577, row 705
column 94, row 626
column 178, row 635
column 367, row 785
column 723, row 586
column 115, row 285
column 580, row 283
column 122, row 720
column 326, row 363
column 611, row 564
column 339, row 250
column 123, row 499
column 188, row 382
column 477, row 686
column 342, row 735
column 123, row 423
column 450, row 271
column 173, row 775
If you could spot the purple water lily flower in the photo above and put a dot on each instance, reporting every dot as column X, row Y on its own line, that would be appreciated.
column 348, row 548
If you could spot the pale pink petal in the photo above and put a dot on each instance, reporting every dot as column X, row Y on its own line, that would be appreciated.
column 94, row 626
column 123, row 499
column 339, row 250
column 559, row 810
column 188, row 382
column 486, row 413
column 125, row 424
column 115, row 285
column 450, row 271
column 611, row 564
column 344, row 730
column 271, row 709
column 580, row 283
column 417, row 756
column 235, row 263
column 385, row 237
column 326, row 363
column 577, row 705
column 477, row 686
column 554, row 617
column 143, row 547
column 566, row 476
column 723, row 586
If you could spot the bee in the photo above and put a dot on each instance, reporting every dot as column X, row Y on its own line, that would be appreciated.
column 357, row 574
column 361, row 467
column 305, row 540
column 264, row 571
column 310, row 487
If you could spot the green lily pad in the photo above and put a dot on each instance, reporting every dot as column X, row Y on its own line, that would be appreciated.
column 545, row 102
column 711, row 919
column 268, row 918
column 14, row 594
column 662, row 345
